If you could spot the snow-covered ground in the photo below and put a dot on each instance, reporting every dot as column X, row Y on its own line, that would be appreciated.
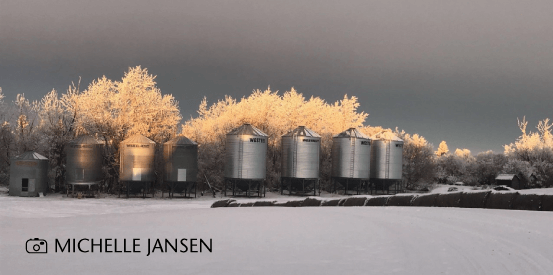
column 276, row 240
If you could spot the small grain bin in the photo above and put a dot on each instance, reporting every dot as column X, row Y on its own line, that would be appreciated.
column 245, row 160
column 386, row 162
column 137, row 164
column 84, row 162
column 181, row 165
column 351, row 155
column 300, row 161
column 28, row 175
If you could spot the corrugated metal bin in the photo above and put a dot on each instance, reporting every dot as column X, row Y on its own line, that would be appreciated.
column 181, row 165
column 245, row 165
column 28, row 175
column 300, row 161
column 351, row 154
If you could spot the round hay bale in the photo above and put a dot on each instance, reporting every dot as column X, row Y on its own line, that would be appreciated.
column 263, row 203
column 342, row 201
column 428, row 200
column 500, row 200
column 400, row 200
column 355, row 201
column 474, row 199
column 331, row 202
column 449, row 200
column 527, row 202
column 311, row 202
column 377, row 201
column 233, row 204
column 247, row 204
column 547, row 203
column 289, row 204
column 222, row 203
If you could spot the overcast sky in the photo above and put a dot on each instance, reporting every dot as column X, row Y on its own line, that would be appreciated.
column 460, row 71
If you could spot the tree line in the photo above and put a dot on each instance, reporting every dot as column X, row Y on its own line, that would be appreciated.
column 114, row 110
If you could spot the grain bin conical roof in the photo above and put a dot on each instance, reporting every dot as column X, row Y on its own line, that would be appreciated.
column 386, row 136
column 247, row 129
column 351, row 133
column 138, row 139
column 86, row 140
column 181, row 140
column 30, row 155
column 302, row 131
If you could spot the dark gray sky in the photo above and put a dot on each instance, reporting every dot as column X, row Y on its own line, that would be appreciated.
column 460, row 71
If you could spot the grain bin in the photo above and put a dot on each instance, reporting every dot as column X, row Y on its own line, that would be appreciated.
column 181, row 165
column 386, row 162
column 84, row 162
column 137, row 164
column 28, row 175
column 351, row 155
column 300, row 161
column 245, row 167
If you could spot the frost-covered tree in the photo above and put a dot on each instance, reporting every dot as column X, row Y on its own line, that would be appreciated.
column 451, row 168
column 275, row 115
column 442, row 149
column 7, row 138
column 58, row 116
column 418, row 161
column 531, row 155
column 26, row 124
column 464, row 154
column 487, row 166
column 115, row 110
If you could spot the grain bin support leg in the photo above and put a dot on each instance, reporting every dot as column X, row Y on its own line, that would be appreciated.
column 319, row 186
column 347, row 187
column 289, row 187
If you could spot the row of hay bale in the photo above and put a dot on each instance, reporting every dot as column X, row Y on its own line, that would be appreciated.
column 486, row 199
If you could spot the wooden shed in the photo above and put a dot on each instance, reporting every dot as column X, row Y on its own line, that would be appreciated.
column 510, row 180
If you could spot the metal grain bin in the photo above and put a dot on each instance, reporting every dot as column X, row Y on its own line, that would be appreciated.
column 246, row 150
column 28, row 175
column 351, row 155
column 386, row 160
column 137, row 159
column 300, row 154
column 181, row 160
column 181, row 164
column 84, row 161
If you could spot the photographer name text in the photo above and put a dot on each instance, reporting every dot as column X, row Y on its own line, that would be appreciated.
column 112, row 245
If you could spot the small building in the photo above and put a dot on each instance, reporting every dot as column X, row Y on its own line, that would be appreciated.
column 510, row 180
column 28, row 175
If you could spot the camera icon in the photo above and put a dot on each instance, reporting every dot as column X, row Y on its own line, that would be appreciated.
column 36, row 245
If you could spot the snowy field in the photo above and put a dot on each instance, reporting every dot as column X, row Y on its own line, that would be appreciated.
column 276, row 240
